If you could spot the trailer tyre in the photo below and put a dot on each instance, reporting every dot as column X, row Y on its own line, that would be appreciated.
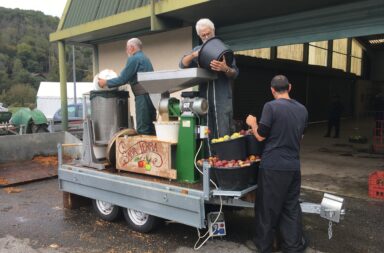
column 140, row 221
column 106, row 210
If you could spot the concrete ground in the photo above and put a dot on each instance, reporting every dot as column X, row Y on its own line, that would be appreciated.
column 336, row 165
column 32, row 218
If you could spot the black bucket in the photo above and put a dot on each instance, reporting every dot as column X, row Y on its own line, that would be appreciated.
column 254, row 147
column 233, row 149
column 234, row 178
column 254, row 172
column 214, row 49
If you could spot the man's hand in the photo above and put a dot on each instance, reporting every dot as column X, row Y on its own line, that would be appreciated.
column 186, row 61
column 102, row 83
column 251, row 121
column 219, row 65
column 195, row 54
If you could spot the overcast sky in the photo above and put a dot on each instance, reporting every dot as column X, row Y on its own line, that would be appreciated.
column 49, row 7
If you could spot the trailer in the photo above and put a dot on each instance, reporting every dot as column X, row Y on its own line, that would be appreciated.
column 31, row 157
column 145, row 200
column 146, row 196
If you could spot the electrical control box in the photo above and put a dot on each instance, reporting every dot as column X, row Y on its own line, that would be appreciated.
column 203, row 132
column 216, row 228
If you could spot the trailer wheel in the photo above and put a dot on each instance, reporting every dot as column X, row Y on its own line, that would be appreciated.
column 106, row 210
column 140, row 221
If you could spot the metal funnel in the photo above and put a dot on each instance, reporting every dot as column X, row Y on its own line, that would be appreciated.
column 173, row 80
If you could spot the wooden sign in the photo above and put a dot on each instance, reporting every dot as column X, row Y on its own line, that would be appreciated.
column 144, row 154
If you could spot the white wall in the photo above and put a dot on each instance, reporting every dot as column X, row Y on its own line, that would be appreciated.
column 48, row 96
column 163, row 49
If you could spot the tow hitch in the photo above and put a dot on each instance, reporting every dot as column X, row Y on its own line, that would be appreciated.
column 331, row 208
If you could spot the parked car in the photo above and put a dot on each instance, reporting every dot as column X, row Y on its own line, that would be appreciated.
column 75, row 120
column 75, row 113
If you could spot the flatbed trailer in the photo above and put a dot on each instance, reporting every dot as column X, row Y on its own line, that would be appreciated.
column 183, row 203
column 163, row 198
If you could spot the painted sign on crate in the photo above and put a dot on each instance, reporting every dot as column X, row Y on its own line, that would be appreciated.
column 145, row 155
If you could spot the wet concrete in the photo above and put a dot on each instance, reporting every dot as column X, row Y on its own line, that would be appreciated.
column 33, row 220
column 336, row 165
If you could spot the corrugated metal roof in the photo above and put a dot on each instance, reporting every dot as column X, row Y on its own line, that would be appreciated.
column 83, row 11
column 107, row 8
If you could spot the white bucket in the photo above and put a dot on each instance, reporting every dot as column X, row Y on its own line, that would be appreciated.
column 167, row 130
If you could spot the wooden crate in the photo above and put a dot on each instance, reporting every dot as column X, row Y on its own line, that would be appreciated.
column 146, row 155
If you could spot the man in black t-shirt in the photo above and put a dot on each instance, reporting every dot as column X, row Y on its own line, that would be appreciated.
column 277, row 207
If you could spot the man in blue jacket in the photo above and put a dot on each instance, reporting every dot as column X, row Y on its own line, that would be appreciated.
column 137, row 62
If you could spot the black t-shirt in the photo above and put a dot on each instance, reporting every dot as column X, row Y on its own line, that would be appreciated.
column 286, row 119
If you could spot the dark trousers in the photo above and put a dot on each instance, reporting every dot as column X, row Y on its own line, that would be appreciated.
column 277, row 210
column 145, row 115
column 333, row 123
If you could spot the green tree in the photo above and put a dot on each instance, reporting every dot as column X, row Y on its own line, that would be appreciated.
column 20, row 95
column 19, row 74
column 4, row 80
column 27, row 57
column 24, row 52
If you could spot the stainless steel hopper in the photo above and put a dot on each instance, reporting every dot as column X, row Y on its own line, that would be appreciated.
column 173, row 80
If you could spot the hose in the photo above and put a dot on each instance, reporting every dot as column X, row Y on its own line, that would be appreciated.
column 195, row 247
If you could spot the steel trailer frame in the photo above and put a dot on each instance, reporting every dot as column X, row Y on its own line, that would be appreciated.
column 181, row 204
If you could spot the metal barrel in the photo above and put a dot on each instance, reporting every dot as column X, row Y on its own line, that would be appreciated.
column 109, row 113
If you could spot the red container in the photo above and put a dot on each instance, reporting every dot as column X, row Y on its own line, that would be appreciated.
column 376, row 185
column 376, row 193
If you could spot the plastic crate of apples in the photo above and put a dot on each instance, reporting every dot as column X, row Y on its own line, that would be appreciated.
column 233, row 175
column 232, row 147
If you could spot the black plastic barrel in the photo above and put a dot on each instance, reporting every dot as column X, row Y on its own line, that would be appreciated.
column 233, row 149
column 254, row 173
column 254, row 147
column 214, row 49
column 234, row 178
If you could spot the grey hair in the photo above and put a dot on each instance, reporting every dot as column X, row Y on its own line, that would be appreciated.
column 204, row 22
column 135, row 42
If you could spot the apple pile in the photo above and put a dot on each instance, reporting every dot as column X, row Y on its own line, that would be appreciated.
column 235, row 135
column 217, row 163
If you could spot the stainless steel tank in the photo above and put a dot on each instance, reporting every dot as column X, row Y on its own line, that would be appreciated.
column 109, row 113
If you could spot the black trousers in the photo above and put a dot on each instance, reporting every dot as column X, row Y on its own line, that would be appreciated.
column 277, row 210
column 333, row 123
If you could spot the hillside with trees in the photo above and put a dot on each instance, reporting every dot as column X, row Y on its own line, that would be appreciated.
column 27, row 57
